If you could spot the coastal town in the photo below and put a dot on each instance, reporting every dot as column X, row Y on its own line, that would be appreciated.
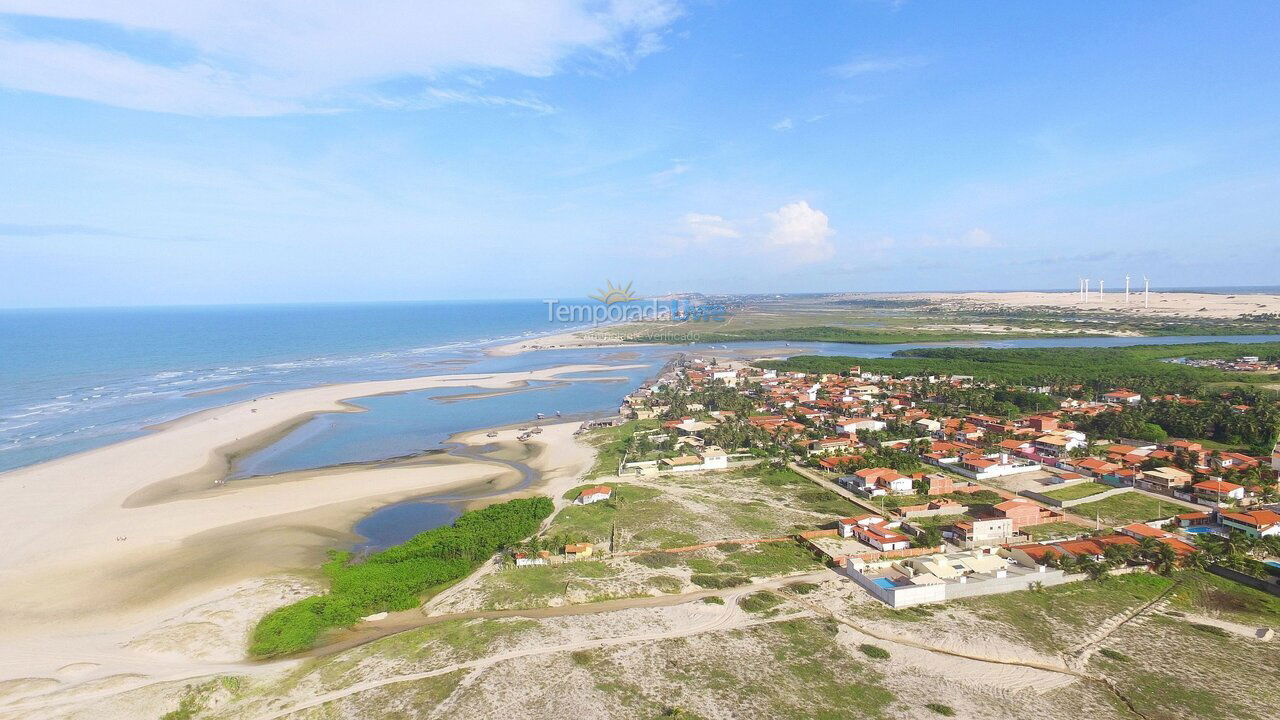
column 953, row 503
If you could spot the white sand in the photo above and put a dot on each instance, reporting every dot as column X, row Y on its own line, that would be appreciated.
column 1167, row 304
column 200, row 561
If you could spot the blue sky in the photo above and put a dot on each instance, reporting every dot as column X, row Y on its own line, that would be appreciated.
column 217, row 151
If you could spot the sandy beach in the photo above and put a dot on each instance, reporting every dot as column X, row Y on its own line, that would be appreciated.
column 577, row 339
column 1168, row 304
column 130, row 564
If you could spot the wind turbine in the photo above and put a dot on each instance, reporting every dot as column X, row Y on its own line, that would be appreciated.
column 1146, row 292
column 1086, row 289
column 1100, row 290
column 1080, row 287
column 1126, row 289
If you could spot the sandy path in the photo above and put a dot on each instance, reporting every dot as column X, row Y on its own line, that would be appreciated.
column 716, row 618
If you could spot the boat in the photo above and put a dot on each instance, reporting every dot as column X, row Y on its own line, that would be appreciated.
column 491, row 434
column 541, row 416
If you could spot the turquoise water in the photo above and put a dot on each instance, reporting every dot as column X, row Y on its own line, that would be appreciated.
column 71, row 380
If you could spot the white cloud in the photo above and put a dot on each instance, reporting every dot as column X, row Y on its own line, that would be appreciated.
column 801, row 234
column 784, row 124
column 268, row 57
column 662, row 177
column 795, row 234
column 702, row 228
column 867, row 66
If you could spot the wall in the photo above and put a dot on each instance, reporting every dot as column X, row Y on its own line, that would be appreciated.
column 1054, row 502
column 1253, row 582
column 1012, row 583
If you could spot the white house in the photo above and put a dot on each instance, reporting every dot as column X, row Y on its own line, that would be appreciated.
column 593, row 495
column 527, row 560
column 853, row 425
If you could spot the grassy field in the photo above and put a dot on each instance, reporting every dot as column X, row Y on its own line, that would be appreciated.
column 1077, row 491
column 611, row 444
column 679, row 510
column 1053, row 531
column 1127, row 508
column 1053, row 619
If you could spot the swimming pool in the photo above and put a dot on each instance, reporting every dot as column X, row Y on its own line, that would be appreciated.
column 885, row 583
column 1198, row 529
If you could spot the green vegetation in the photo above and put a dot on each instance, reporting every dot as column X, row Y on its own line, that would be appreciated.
column 395, row 578
column 939, row 708
column 1126, row 508
column 713, row 600
column 1053, row 531
column 612, row 442
column 594, row 523
column 1138, row 367
column 1202, row 592
column 1052, row 619
column 1075, row 492
column 760, row 602
column 195, row 698
column 874, row 652
column 802, row 588
column 1114, row 655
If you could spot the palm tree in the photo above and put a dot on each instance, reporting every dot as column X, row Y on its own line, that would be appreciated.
column 1166, row 559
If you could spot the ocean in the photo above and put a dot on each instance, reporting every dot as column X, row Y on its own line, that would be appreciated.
column 75, row 379
column 72, row 380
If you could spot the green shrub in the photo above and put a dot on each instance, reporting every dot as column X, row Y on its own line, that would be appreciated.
column 874, row 651
column 657, row 559
column 1114, row 654
column 713, row 600
column 396, row 578
column 941, row 709
column 802, row 588
column 759, row 602
column 1211, row 629
column 719, row 582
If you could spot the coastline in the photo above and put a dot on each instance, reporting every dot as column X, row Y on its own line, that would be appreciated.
column 75, row 595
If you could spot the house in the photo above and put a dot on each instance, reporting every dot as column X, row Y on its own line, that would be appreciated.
column 845, row 526
column 879, row 481
column 1122, row 397
column 1138, row 531
column 940, row 483
column 1163, row 480
column 1218, row 490
column 829, row 444
column 853, row 425
column 1093, row 467
column 593, row 495
column 1257, row 523
column 1024, row 513
column 881, row 537
column 1194, row 519
column 527, row 560
column 578, row 550
column 1094, row 547
column 874, row 531
column 984, row 531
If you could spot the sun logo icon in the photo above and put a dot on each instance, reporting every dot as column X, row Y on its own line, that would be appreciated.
column 611, row 294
